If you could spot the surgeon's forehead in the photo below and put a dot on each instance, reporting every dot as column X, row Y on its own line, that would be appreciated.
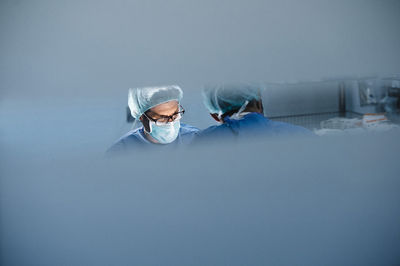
column 167, row 108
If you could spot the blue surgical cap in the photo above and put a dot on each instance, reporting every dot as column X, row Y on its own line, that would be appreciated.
column 220, row 99
column 142, row 99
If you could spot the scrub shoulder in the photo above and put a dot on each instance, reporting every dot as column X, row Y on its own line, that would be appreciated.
column 188, row 129
column 252, row 124
column 133, row 138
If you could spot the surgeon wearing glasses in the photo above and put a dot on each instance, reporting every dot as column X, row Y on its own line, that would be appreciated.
column 159, row 111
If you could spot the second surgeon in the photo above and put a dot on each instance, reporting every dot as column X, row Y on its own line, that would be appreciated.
column 239, row 110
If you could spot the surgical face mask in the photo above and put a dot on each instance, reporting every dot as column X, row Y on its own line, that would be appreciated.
column 165, row 134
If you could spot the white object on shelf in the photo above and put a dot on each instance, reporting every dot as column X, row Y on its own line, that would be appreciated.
column 369, row 122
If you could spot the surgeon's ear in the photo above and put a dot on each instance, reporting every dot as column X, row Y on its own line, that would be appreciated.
column 216, row 118
column 260, row 106
column 145, row 123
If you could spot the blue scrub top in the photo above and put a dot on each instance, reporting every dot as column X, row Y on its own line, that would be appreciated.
column 135, row 139
column 250, row 125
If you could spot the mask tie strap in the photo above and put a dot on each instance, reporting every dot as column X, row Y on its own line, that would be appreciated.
column 236, row 115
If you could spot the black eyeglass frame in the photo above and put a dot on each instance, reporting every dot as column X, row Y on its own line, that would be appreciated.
column 168, row 117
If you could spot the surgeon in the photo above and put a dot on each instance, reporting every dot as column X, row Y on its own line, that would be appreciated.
column 159, row 111
column 239, row 110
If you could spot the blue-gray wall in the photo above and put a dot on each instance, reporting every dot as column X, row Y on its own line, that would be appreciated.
column 69, row 48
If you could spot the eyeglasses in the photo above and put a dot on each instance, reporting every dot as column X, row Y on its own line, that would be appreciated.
column 164, row 119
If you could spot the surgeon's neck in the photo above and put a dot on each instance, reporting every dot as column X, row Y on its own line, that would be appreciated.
column 255, row 107
column 253, row 110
